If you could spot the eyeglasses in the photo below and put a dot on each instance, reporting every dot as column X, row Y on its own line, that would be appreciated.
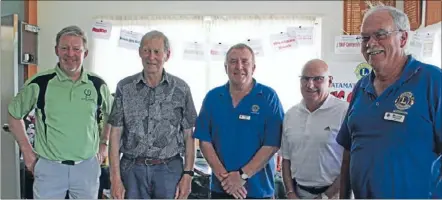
column 378, row 35
column 316, row 79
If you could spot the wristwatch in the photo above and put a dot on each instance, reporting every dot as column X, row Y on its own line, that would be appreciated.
column 324, row 196
column 190, row 173
column 243, row 175
column 106, row 142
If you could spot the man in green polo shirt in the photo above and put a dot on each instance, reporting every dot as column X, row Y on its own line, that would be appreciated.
column 70, row 104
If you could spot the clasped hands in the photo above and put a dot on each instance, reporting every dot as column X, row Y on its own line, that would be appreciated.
column 233, row 184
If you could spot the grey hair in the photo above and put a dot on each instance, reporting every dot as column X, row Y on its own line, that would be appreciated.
column 155, row 34
column 400, row 19
column 240, row 46
column 73, row 31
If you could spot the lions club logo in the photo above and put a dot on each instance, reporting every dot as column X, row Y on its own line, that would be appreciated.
column 362, row 70
column 404, row 101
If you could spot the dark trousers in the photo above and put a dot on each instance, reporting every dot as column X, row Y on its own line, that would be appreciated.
column 218, row 195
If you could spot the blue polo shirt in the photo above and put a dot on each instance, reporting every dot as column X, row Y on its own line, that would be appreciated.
column 389, row 158
column 238, row 133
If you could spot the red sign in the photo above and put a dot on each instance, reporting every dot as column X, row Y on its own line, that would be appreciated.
column 341, row 95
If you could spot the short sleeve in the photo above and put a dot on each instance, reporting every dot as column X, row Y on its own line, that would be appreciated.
column 204, row 121
column 273, row 126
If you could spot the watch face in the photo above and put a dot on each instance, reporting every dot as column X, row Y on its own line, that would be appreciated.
column 244, row 176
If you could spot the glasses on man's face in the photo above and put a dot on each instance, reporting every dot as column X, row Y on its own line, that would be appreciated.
column 316, row 79
column 378, row 35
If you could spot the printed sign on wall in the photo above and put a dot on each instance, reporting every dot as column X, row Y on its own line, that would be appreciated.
column 345, row 77
column 129, row 39
column 347, row 44
column 282, row 42
column 101, row 29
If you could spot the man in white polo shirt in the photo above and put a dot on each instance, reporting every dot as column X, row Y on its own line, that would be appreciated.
column 311, row 156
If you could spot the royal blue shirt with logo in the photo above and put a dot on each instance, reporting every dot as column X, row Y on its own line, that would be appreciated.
column 238, row 133
column 392, row 137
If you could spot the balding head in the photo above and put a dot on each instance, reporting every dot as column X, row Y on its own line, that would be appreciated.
column 315, row 83
column 315, row 67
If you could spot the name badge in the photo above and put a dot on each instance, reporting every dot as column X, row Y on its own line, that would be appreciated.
column 244, row 117
column 394, row 117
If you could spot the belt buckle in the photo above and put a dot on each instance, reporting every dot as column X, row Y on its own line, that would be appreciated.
column 148, row 164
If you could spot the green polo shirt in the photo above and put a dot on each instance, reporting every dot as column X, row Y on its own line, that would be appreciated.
column 66, row 127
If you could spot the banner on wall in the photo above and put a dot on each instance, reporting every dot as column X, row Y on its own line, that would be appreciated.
column 193, row 51
column 347, row 44
column 256, row 45
column 345, row 77
column 303, row 34
column 282, row 42
column 218, row 51
column 129, row 39
column 101, row 29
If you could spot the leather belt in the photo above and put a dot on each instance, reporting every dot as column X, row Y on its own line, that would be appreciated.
column 314, row 190
column 69, row 162
column 150, row 161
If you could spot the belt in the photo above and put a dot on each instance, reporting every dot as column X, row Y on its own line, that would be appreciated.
column 150, row 161
column 314, row 190
column 69, row 162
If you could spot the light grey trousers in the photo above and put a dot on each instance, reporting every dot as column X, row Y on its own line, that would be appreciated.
column 52, row 179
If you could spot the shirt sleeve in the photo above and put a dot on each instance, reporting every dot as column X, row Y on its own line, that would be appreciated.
column 437, row 113
column 24, row 101
column 107, row 104
column 344, row 136
column 285, row 149
column 116, row 116
column 203, row 122
column 273, row 126
column 189, row 112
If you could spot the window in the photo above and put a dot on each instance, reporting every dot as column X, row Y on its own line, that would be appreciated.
column 279, row 70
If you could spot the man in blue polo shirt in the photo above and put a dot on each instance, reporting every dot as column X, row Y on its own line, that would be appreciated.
column 392, row 130
column 239, row 128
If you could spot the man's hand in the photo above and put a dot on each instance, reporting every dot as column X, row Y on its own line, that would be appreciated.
column 102, row 153
column 117, row 189
column 184, row 187
column 233, row 184
column 30, row 159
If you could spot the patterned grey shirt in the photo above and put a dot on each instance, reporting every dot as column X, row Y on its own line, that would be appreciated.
column 153, row 119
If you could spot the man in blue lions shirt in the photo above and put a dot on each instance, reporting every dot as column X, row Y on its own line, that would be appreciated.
column 239, row 128
column 394, row 118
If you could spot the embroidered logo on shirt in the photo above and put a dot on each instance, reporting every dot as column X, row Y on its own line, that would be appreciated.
column 327, row 128
column 404, row 101
column 255, row 109
column 87, row 95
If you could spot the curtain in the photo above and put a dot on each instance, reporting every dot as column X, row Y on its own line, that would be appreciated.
column 277, row 69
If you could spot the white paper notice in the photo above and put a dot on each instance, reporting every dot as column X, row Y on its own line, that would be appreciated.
column 218, row 51
column 428, row 44
column 347, row 44
column 193, row 51
column 282, row 41
column 129, row 39
column 102, row 29
column 256, row 45
column 303, row 35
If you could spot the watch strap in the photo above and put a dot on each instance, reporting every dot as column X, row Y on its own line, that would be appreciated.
column 190, row 173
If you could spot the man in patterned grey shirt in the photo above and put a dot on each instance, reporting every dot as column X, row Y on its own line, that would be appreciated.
column 153, row 115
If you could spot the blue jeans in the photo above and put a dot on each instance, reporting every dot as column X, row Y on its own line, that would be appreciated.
column 153, row 181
